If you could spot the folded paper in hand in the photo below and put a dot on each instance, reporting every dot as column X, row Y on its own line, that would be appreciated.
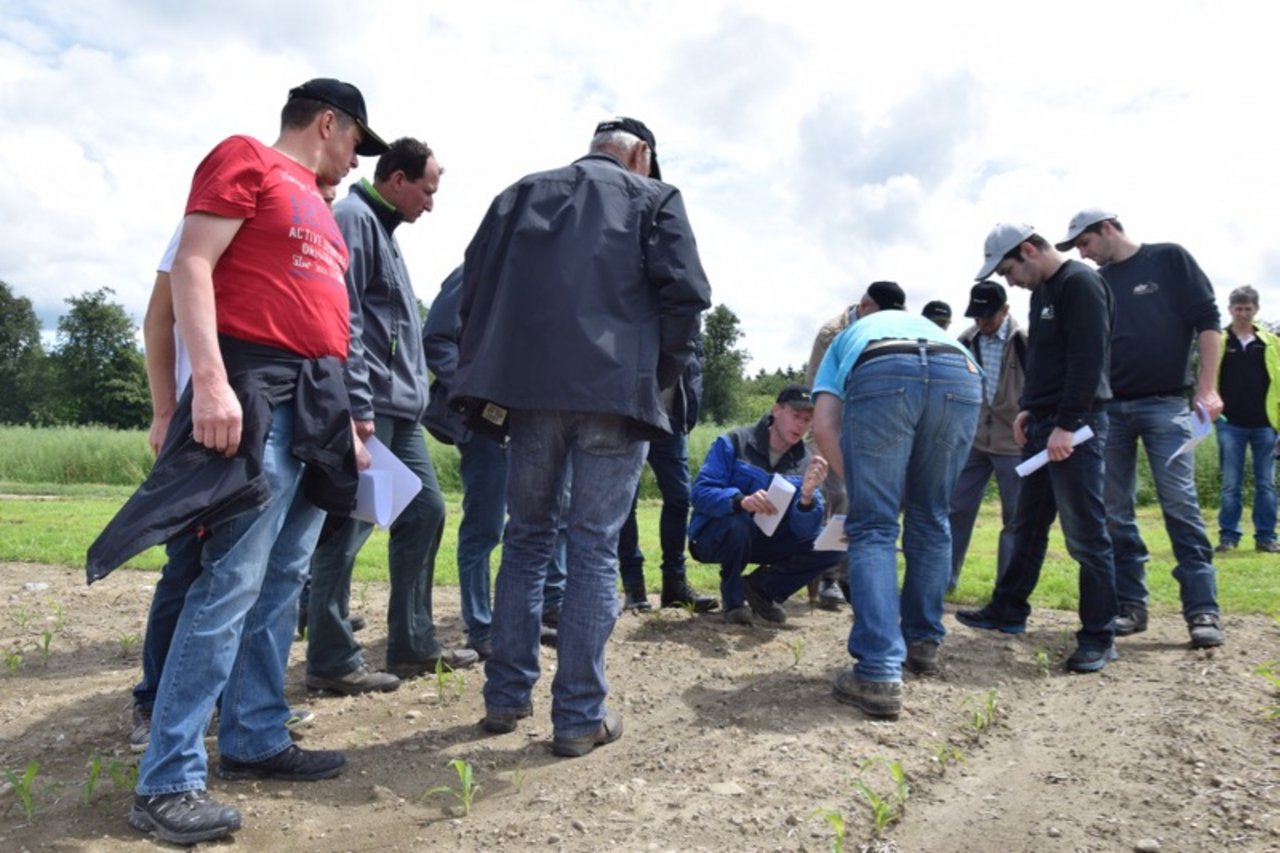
column 385, row 488
column 780, row 492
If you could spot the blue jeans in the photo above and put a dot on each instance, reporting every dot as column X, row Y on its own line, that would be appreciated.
column 606, row 467
column 233, row 635
column 1072, row 487
column 909, row 421
column 787, row 560
column 181, row 568
column 332, row 649
column 669, row 459
column 967, row 498
column 1163, row 424
column 1232, row 441
column 483, row 466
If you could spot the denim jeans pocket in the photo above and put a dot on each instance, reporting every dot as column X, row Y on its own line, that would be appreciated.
column 604, row 435
column 875, row 419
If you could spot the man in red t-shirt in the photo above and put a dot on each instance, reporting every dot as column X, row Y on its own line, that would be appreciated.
column 257, row 283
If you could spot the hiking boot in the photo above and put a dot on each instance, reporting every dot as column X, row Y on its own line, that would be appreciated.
column 830, row 597
column 572, row 747
column 990, row 618
column 1225, row 545
column 1206, row 630
column 676, row 592
column 1272, row 547
column 548, row 636
column 141, row 734
column 873, row 698
column 502, row 722
column 761, row 605
column 634, row 598
column 357, row 681
column 450, row 659
column 740, row 615
column 482, row 648
column 187, row 817
column 922, row 657
column 1132, row 620
column 1091, row 660
column 294, row 764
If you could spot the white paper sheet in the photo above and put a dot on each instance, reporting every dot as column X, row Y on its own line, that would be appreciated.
column 1201, row 426
column 1035, row 463
column 780, row 492
column 832, row 536
column 386, row 487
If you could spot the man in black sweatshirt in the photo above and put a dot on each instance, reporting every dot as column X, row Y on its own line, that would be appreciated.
column 1068, row 349
column 1164, row 302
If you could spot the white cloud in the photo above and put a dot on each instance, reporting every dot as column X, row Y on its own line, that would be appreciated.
column 818, row 146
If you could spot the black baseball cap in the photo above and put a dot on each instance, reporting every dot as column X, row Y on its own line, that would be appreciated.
column 635, row 127
column 937, row 310
column 985, row 299
column 796, row 396
column 887, row 295
column 347, row 98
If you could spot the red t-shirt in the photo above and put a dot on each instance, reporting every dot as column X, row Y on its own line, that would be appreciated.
column 280, row 281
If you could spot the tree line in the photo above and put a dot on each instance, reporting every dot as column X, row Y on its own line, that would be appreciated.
column 95, row 373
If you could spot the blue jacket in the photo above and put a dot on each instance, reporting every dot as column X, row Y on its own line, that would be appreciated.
column 738, row 465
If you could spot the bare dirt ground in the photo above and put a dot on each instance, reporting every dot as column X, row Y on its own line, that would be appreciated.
column 733, row 741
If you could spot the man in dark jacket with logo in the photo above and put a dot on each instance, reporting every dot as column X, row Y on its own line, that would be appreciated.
column 732, row 489
column 387, row 382
column 581, row 297
column 1164, row 304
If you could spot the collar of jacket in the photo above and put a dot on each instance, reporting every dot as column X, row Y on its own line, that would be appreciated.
column 601, row 155
column 383, row 209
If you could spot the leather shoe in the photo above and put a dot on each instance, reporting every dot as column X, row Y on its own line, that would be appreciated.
column 357, row 681
column 450, row 658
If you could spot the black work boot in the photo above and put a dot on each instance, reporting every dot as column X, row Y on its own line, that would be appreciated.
column 676, row 592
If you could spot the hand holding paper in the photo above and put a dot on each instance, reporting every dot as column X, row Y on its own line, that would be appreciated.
column 1201, row 426
column 780, row 493
column 1035, row 463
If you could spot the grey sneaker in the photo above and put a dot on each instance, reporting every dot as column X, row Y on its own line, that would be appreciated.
column 874, row 698
column 761, row 605
column 572, row 747
column 922, row 657
column 140, row 736
column 1132, row 620
column 502, row 722
column 1091, row 660
column 830, row 597
column 300, row 718
column 357, row 681
column 1226, row 545
column 451, row 659
column 739, row 616
column 183, row 818
column 1272, row 547
column 1206, row 630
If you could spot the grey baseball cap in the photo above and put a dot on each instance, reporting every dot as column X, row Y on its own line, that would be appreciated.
column 1079, row 222
column 1002, row 239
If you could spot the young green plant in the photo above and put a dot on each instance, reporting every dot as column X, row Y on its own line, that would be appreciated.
column 91, row 781
column 885, row 809
column 835, row 820
column 467, row 789
column 449, row 683
column 24, row 788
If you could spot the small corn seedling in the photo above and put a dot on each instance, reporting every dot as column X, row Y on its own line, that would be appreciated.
column 45, row 639
column 797, row 650
column 467, row 788
column 90, row 783
column 983, row 713
column 128, row 642
column 886, row 810
column 1042, row 662
column 22, row 617
column 944, row 755
column 449, row 683
column 124, row 776
column 24, row 788
column 59, row 615
column 835, row 820
column 13, row 661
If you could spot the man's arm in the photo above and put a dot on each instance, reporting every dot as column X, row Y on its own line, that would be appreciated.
column 1210, row 346
column 215, row 411
column 358, row 231
column 441, row 331
column 828, row 411
column 160, row 355
column 675, row 271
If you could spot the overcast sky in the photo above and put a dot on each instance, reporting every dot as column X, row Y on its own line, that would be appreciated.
column 819, row 146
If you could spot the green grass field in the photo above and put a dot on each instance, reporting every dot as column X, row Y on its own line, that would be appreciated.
column 55, row 524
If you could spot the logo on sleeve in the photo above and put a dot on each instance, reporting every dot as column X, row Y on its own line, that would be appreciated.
column 1046, row 313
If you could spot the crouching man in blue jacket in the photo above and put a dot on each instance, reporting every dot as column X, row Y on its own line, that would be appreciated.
column 732, row 489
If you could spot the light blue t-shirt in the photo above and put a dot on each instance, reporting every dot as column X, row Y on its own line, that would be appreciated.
column 849, row 344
